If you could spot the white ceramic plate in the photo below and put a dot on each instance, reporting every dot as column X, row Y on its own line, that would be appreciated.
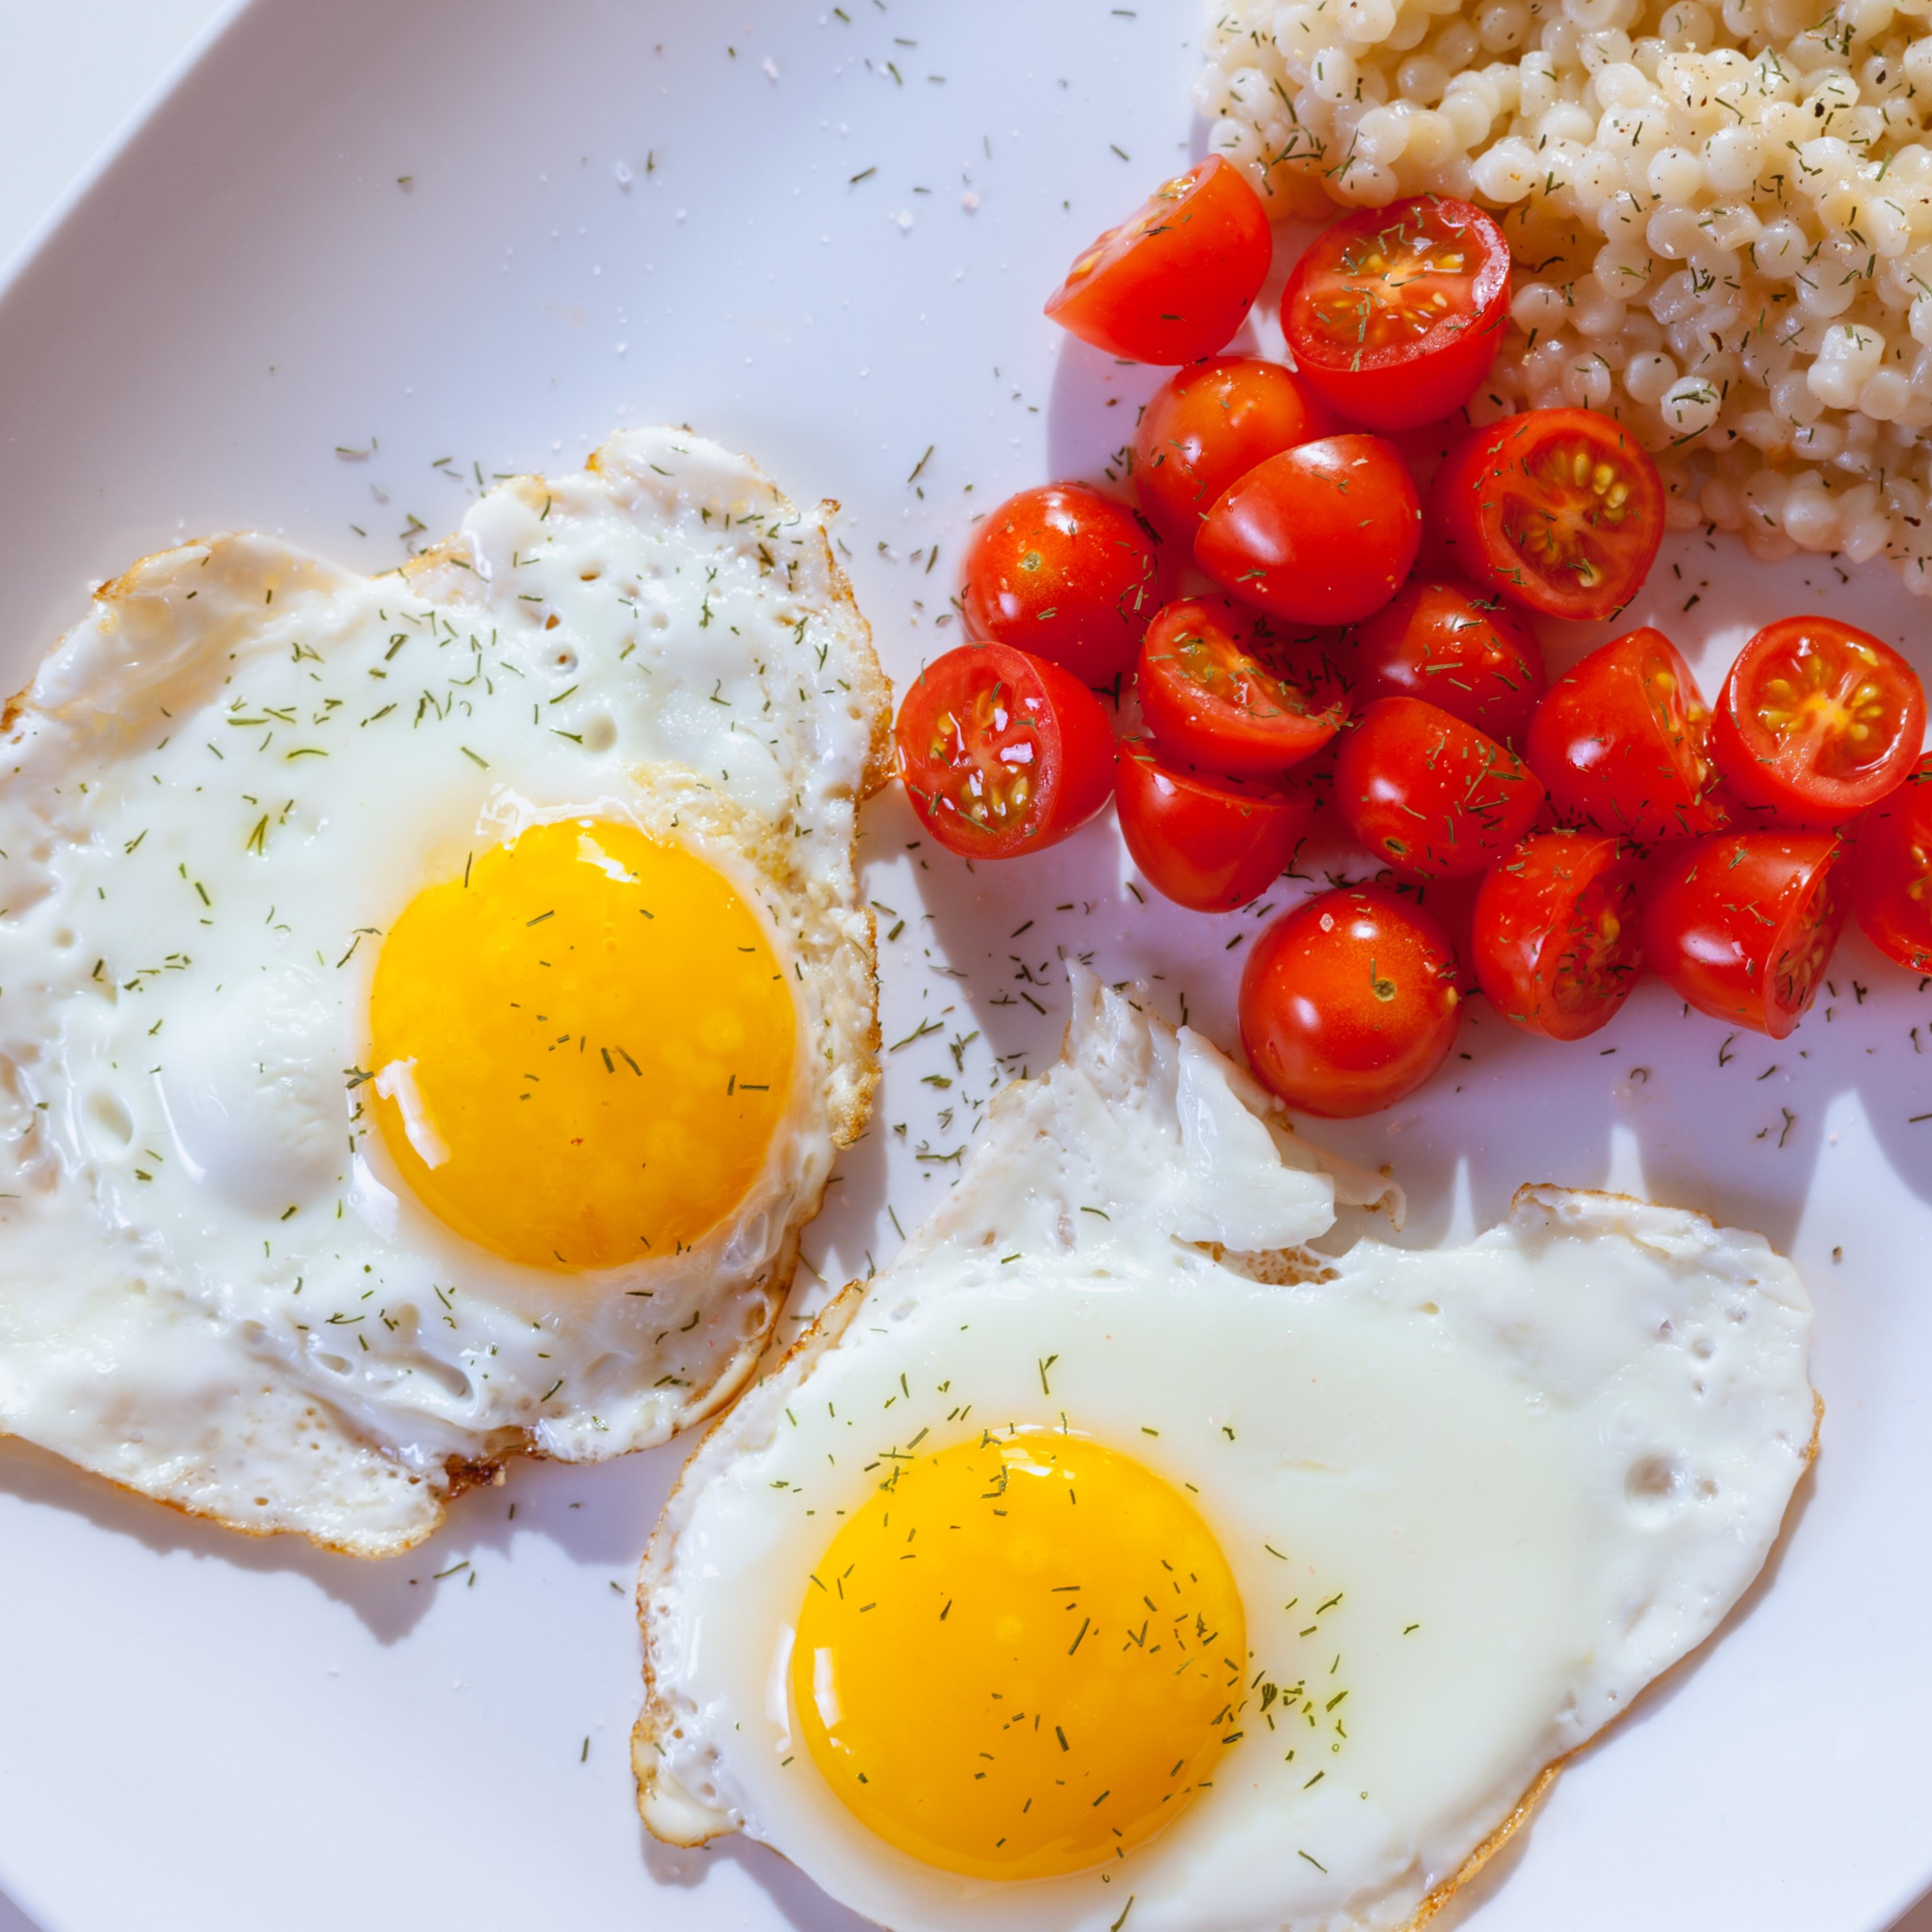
column 491, row 232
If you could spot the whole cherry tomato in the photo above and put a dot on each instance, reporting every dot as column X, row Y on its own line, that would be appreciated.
column 1891, row 867
column 1559, row 510
column 1222, row 687
column 1619, row 742
column 1395, row 314
column 1558, row 940
column 1323, row 533
column 1817, row 721
column 1066, row 573
column 1174, row 281
column 1742, row 924
column 1209, row 843
column 1430, row 794
column 1001, row 752
column 1348, row 1002
column 1457, row 646
column 1206, row 426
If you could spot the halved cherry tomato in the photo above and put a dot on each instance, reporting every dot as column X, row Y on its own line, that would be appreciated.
column 1560, row 510
column 1348, row 1002
column 1817, row 721
column 1558, row 944
column 1002, row 752
column 1222, row 687
column 1065, row 573
column 1211, row 843
column 1207, row 426
column 1742, row 925
column 1620, row 742
column 1323, row 533
column 1891, row 867
column 1456, row 646
column 1430, row 794
column 1173, row 282
column 1395, row 314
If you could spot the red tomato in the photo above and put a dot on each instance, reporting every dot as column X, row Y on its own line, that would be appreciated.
column 1066, row 573
column 1451, row 903
column 1220, row 687
column 1323, row 533
column 1742, row 925
column 1457, row 646
column 1002, row 752
column 1348, row 1002
column 1206, row 427
column 1396, row 313
column 1558, row 942
column 1891, row 867
column 1174, row 281
column 1560, row 510
column 1211, row 843
column 1817, row 721
column 1620, row 742
column 1430, row 794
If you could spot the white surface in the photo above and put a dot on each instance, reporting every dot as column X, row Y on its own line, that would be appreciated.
column 251, row 287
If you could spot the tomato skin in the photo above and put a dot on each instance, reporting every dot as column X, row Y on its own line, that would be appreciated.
column 1206, row 426
column 1420, row 374
column 1430, row 794
column 1324, row 533
column 1786, row 756
column 1558, row 936
column 1173, row 282
column 1742, row 924
column 1064, row 573
column 1348, row 1002
column 1891, row 867
column 1208, row 843
column 1508, row 509
column 948, row 737
column 1454, row 647
column 1619, row 742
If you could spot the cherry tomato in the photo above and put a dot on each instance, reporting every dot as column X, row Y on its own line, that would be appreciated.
column 1619, row 741
column 1208, row 842
column 1207, row 426
column 1066, row 573
column 1558, row 944
column 1891, row 867
column 1323, row 533
column 1002, row 752
column 1451, row 903
column 1348, row 1002
column 1222, row 687
column 1395, row 314
column 1742, row 925
column 1560, row 510
column 1457, row 646
column 1817, row 721
column 1174, row 280
column 1429, row 793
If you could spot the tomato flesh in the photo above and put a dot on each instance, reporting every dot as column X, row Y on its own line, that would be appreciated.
column 1173, row 282
column 1561, row 510
column 1001, row 752
column 1348, row 1002
column 1557, row 937
column 1395, row 314
column 1817, row 721
column 1456, row 646
column 1891, row 867
column 1208, row 843
column 1742, row 924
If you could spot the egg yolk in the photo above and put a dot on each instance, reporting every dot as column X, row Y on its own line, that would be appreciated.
column 1020, row 1657
column 581, row 1047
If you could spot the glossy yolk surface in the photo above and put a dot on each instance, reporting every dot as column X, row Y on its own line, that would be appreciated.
column 1021, row 1657
column 582, row 1048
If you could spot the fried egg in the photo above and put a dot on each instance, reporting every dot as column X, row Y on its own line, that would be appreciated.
column 1113, row 1553
column 430, row 1003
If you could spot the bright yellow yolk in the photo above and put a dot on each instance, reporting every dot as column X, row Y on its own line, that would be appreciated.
column 1020, row 1658
column 581, row 1047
